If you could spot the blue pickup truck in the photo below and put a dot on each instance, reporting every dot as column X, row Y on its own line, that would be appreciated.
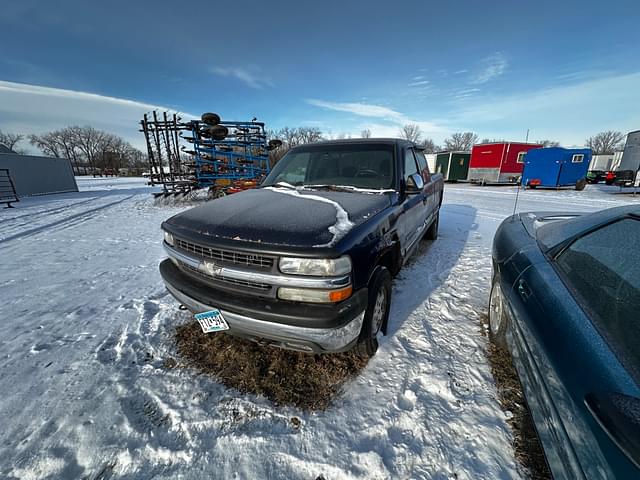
column 305, row 260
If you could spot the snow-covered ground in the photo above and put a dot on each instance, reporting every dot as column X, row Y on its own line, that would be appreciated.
column 85, row 326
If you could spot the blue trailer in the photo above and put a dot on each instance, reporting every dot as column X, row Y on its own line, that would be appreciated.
column 556, row 167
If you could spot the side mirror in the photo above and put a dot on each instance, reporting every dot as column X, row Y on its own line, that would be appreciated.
column 415, row 184
column 619, row 416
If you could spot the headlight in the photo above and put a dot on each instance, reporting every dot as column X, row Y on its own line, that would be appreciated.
column 169, row 239
column 314, row 295
column 321, row 267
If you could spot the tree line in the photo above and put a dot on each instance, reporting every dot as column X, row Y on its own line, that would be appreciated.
column 606, row 142
column 89, row 149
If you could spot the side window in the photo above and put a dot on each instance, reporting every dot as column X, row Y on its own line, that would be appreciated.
column 422, row 164
column 603, row 270
column 410, row 166
column 521, row 156
column 577, row 158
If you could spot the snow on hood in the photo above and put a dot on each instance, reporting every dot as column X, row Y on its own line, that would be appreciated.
column 338, row 229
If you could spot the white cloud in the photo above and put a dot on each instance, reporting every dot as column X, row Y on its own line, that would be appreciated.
column 30, row 109
column 419, row 83
column 362, row 109
column 394, row 118
column 568, row 113
column 490, row 67
column 251, row 77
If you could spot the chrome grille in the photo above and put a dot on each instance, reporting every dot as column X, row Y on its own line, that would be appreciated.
column 226, row 256
column 263, row 287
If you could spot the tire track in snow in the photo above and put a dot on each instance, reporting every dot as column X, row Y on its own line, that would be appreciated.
column 50, row 210
column 63, row 221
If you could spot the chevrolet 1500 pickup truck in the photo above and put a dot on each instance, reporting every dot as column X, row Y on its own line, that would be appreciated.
column 305, row 260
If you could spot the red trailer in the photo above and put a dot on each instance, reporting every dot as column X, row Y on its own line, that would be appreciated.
column 498, row 162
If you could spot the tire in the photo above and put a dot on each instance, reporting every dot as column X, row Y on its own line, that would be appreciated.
column 218, row 132
column 609, row 182
column 210, row 118
column 532, row 187
column 497, row 316
column 376, row 314
column 432, row 232
column 580, row 184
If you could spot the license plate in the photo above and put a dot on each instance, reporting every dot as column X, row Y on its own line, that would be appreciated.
column 212, row 321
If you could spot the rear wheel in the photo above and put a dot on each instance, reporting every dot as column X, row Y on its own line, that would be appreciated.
column 376, row 314
column 497, row 314
column 580, row 184
column 432, row 233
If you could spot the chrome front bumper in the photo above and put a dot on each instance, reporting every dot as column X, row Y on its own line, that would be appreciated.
column 281, row 335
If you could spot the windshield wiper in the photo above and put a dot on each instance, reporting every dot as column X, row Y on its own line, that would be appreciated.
column 336, row 188
column 285, row 185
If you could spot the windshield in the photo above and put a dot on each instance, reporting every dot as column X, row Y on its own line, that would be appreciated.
column 364, row 166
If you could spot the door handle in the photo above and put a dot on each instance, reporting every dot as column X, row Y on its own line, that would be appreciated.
column 523, row 289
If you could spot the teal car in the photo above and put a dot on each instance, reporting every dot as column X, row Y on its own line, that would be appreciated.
column 565, row 301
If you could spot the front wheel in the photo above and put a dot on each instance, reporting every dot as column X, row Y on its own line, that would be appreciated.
column 580, row 184
column 376, row 314
column 497, row 314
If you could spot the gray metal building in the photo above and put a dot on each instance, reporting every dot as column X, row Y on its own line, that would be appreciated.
column 39, row 175
column 631, row 155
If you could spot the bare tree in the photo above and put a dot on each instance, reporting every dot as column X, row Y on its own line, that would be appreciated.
column 608, row 142
column 11, row 140
column 548, row 143
column 429, row 146
column 461, row 141
column 366, row 133
column 411, row 132
column 87, row 147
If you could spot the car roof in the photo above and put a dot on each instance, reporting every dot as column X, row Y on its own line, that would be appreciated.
column 556, row 233
column 359, row 141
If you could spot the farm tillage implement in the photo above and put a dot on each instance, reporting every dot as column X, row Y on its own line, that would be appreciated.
column 220, row 156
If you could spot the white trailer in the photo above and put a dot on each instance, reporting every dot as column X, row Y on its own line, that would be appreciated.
column 431, row 161
column 602, row 162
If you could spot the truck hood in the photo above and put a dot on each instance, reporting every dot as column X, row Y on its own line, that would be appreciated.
column 280, row 216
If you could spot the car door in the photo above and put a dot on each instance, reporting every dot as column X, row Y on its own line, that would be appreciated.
column 413, row 221
column 564, row 354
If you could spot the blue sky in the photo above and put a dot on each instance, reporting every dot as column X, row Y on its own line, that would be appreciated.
column 565, row 70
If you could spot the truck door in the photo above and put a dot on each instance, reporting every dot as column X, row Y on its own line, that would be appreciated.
column 413, row 208
column 431, row 199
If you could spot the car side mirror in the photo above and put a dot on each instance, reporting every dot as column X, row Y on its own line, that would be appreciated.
column 415, row 184
column 619, row 416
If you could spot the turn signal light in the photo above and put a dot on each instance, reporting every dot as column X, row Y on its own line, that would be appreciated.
column 339, row 295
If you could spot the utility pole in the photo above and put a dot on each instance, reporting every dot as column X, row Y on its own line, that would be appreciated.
column 527, row 139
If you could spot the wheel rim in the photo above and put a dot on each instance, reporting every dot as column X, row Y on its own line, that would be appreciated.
column 378, row 310
column 495, row 309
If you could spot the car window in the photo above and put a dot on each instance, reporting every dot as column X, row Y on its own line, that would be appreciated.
column 410, row 166
column 603, row 270
column 422, row 163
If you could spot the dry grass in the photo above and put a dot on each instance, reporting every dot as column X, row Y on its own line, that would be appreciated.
column 526, row 443
column 307, row 381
